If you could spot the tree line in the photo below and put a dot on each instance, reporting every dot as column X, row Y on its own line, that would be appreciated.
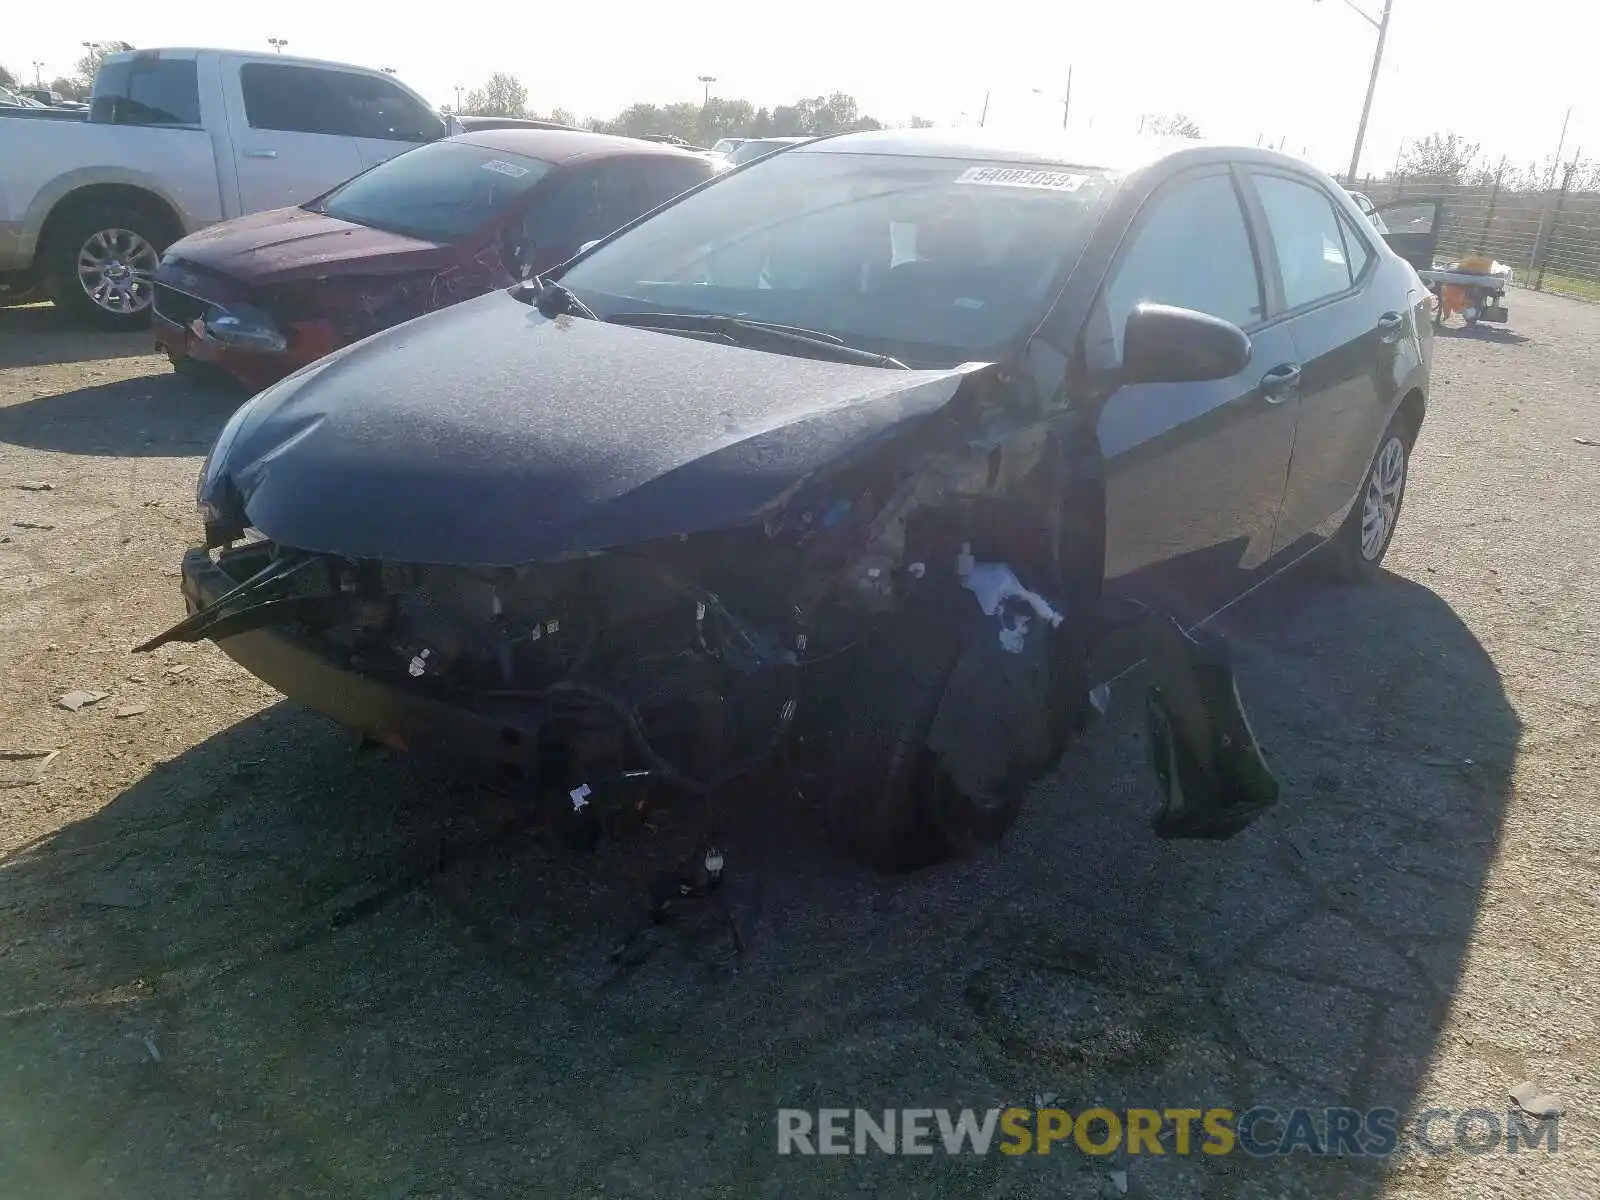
column 504, row 95
column 1450, row 159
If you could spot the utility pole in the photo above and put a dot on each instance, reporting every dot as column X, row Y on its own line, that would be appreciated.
column 1544, row 215
column 1381, row 24
column 984, row 116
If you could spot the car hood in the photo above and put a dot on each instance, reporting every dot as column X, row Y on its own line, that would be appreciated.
column 490, row 435
column 290, row 243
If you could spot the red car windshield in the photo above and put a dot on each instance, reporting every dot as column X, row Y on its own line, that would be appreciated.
column 439, row 192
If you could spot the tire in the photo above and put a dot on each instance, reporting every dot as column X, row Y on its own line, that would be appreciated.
column 896, row 808
column 1351, row 555
column 111, row 248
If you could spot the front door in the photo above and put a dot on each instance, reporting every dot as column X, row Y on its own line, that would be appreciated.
column 1195, row 472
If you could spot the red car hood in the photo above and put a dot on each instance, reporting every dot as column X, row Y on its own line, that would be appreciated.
column 290, row 243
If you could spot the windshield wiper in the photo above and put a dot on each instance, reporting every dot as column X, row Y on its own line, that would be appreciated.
column 552, row 298
column 739, row 330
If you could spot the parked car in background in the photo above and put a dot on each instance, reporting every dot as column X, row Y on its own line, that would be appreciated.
column 849, row 456
column 50, row 99
column 754, row 148
column 263, row 295
column 176, row 140
column 728, row 145
column 13, row 99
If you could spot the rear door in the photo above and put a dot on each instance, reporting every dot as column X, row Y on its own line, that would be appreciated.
column 1412, row 228
column 1321, row 267
column 291, row 136
column 1195, row 472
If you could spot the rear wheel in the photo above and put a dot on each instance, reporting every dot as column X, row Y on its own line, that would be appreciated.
column 101, row 262
column 1355, row 553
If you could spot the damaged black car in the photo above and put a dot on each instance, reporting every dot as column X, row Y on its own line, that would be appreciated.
column 853, row 461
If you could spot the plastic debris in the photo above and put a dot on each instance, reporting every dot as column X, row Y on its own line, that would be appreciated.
column 1584, row 441
column 995, row 583
column 73, row 701
column 580, row 797
column 37, row 486
column 1535, row 1101
column 1014, row 636
column 24, row 768
column 419, row 664
column 918, row 570
column 1100, row 697
column 150, row 1048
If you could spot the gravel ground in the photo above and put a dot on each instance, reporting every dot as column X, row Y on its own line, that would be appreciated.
column 239, row 957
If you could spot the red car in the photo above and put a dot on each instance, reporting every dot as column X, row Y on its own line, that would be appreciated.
column 262, row 296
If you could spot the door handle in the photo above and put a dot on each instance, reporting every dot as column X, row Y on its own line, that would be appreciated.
column 1390, row 326
column 1280, row 383
column 261, row 154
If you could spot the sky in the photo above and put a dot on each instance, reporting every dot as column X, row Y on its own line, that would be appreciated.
column 1247, row 71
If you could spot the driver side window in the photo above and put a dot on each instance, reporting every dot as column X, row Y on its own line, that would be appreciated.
column 1190, row 248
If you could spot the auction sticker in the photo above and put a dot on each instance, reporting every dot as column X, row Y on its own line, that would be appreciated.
column 1023, row 177
column 505, row 168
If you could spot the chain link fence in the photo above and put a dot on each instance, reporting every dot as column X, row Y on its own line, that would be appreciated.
column 1549, row 237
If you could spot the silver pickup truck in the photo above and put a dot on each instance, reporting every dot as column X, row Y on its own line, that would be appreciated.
column 176, row 140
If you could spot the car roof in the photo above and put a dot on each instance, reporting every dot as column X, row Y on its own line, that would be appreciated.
column 1117, row 155
column 564, row 145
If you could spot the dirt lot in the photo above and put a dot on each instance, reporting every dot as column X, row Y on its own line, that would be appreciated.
column 239, row 957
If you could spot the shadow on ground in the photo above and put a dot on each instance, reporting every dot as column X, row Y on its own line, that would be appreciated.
column 321, row 1031
column 157, row 416
column 1484, row 333
column 53, row 338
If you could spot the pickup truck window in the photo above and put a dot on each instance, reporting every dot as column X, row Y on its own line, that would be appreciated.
column 146, row 91
column 315, row 100
column 440, row 192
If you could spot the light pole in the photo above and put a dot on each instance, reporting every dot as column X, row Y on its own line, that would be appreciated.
column 278, row 43
column 38, row 79
column 984, row 115
column 707, row 80
column 1381, row 24
column 458, row 97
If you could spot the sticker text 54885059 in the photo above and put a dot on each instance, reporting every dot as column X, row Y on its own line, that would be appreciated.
column 1023, row 177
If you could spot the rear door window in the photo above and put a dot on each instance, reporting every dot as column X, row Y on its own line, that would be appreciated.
column 1305, row 232
column 146, row 91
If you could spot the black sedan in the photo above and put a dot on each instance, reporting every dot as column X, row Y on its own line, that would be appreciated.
column 847, row 461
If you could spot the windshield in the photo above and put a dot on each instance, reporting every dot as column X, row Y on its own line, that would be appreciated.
column 440, row 192
column 932, row 260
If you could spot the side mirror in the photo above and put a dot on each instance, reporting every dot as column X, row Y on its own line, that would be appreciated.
column 1162, row 344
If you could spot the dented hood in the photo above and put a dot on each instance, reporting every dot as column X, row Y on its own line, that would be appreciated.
column 290, row 243
column 489, row 434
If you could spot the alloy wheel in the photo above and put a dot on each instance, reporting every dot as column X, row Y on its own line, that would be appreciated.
column 115, row 268
column 1381, row 504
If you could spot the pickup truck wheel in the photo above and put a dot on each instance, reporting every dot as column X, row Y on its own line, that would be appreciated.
column 101, row 262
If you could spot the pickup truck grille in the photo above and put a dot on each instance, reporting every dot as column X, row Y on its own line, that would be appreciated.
column 178, row 307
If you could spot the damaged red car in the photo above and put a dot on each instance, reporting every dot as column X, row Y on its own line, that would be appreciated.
column 261, row 296
column 855, row 467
